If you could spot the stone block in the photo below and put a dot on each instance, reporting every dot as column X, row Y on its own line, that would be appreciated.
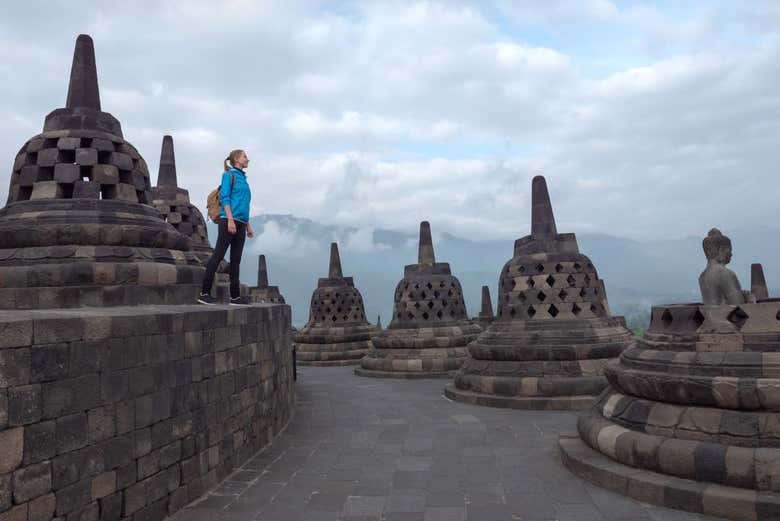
column 3, row 408
column 49, row 362
column 103, row 485
column 87, row 357
column 102, row 145
column 125, row 192
column 72, row 432
column 114, row 386
column 111, row 507
column 55, row 330
column 40, row 442
column 86, row 156
column 48, row 157
column 17, row 513
column 126, row 475
column 86, row 190
column 42, row 508
column 67, row 173
column 16, row 333
column 135, row 498
column 125, row 416
column 118, row 451
column 105, row 175
column 24, row 404
column 6, row 494
column 101, row 423
column 121, row 161
column 77, row 465
column 32, row 481
column 74, row 497
column 74, row 394
column 46, row 190
column 68, row 143
column 148, row 465
column 11, row 449
column 14, row 367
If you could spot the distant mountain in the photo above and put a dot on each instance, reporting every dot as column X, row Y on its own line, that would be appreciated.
column 637, row 274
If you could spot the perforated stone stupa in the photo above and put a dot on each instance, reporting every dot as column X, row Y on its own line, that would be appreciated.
column 337, row 332
column 691, row 419
column 553, row 335
column 263, row 292
column 486, row 316
column 78, row 228
column 430, row 329
column 174, row 204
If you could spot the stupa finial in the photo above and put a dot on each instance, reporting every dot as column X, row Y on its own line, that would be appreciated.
column 425, row 253
column 166, row 175
column 487, row 305
column 83, row 88
column 542, row 218
column 334, row 270
column 758, row 282
column 262, row 273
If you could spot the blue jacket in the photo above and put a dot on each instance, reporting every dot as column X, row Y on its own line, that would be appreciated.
column 238, row 196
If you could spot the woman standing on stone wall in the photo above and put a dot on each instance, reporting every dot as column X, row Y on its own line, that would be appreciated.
column 233, row 223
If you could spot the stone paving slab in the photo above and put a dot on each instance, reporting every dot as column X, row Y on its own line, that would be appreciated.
column 363, row 449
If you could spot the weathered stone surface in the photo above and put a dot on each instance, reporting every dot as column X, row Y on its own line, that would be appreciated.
column 263, row 292
column 553, row 335
column 32, row 481
column 698, row 395
column 11, row 447
column 337, row 332
column 430, row 329
column 83, row 175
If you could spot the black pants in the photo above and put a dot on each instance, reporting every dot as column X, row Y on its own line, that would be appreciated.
column 236, row 243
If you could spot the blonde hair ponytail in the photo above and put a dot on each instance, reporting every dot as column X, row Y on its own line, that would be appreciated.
column 231, row 158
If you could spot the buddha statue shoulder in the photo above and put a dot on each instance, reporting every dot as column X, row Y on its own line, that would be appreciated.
column 720, row 285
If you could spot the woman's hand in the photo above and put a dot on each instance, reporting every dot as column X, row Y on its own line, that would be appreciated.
column 231, row 226
column 249, row 232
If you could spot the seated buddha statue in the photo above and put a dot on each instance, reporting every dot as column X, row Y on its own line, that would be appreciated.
column 718, row 284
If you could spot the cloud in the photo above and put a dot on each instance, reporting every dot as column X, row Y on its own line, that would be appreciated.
column 646, row 121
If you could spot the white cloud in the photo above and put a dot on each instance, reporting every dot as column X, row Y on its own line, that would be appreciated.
column 383, row 114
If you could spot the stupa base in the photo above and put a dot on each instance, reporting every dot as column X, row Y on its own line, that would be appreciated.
column 539, row 403
column 739, row 504
column 408, row 375
column 327, row 363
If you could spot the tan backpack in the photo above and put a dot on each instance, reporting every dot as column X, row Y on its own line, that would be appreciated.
column 212, row 201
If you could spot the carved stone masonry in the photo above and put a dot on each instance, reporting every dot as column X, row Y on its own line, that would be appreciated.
column 85, row 192
column 263, row 292
column 553, row 335
column 430, row 329
column 337, row 332
column 691, row 419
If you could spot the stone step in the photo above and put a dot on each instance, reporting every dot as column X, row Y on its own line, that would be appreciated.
column 734, row 503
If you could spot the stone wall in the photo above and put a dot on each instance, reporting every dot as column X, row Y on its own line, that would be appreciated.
column 131, row 413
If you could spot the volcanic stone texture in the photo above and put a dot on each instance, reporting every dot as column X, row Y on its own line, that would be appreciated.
column 486, row 316
column 691, row 419
column 78, row 228
column 174, row 204
column 553, row 336
column 263, row 292
column 133, row 412
column 337, row 332
column 430, row 329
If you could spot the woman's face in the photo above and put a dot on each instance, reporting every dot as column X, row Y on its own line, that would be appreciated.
column 242, row 161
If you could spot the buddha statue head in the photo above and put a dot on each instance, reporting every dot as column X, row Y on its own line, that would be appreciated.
column 717, row 247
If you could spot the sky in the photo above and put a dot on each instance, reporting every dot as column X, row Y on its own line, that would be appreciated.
column 648, row 119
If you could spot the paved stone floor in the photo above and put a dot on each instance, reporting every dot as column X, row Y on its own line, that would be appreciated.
column 361, row 449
